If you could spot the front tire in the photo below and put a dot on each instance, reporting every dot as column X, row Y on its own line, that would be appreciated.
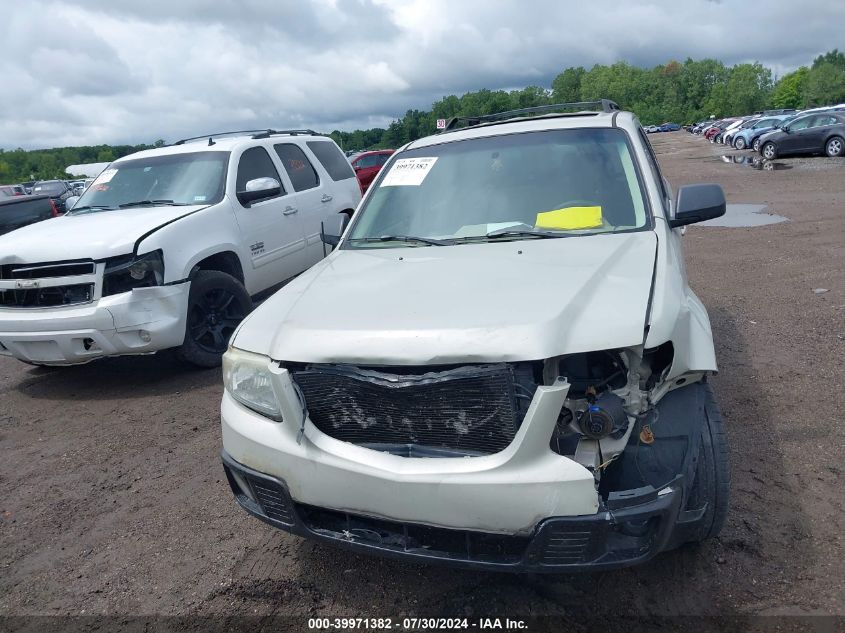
column 769, row 151
column 835, row 147
column 712, row 483
column 217, row 303
column 739, row 143
column 756, row 144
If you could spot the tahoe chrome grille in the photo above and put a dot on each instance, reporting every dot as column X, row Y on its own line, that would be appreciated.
column 43, row 271
column 49, row 284
column 468, row 410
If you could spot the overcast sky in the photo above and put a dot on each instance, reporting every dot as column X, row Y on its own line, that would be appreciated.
column 128, row 71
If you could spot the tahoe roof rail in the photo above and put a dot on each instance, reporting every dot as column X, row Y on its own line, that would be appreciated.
column 262, row 133
column 585, row 107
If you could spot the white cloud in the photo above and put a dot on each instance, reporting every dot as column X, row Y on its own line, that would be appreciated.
column 128, row 71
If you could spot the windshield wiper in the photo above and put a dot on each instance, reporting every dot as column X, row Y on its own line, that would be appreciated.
column 403, row 238
column 508, row 232
column 144, row 203
column 525, row 233
column 85, row 208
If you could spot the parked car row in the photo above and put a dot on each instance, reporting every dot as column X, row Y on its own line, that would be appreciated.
column 58, row 190
column 781, row 132
column 664, row 127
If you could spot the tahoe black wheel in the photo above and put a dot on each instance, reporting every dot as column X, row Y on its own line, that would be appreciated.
column 217, row 304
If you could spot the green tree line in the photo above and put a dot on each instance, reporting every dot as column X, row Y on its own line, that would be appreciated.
column 678, row 92
column 682, row 92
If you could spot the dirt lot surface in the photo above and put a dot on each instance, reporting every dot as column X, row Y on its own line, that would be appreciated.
column 113, row 499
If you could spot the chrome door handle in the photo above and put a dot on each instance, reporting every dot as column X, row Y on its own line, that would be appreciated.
column 326, row 198
column 289, row 211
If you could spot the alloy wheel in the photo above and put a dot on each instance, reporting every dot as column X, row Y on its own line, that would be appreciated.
column 769, row 151
column 834, row 147
column 213, row 318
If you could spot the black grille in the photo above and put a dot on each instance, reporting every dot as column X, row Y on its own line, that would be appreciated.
column 47, row 297
column 468, row 410
column 42, row 271
column 272, row 500
column 565, row 546
column 412, row 537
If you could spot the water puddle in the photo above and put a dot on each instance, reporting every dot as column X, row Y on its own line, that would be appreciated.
column 741, row 215
column 755, row 162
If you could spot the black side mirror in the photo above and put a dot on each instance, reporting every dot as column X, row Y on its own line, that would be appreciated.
column 697, row 203
column 330, row 235
column 259, row 189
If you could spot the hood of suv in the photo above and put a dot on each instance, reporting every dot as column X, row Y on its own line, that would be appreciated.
column 95, row 235
column 506, row 301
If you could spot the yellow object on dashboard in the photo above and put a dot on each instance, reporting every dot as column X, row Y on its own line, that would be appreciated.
column 570, row 218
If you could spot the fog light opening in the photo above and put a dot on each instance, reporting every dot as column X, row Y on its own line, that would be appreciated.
column 243, row 485
column 90, row 345
column 145, row 336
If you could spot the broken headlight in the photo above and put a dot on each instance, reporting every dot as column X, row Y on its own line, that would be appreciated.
column 122, row 274
column 249, row 380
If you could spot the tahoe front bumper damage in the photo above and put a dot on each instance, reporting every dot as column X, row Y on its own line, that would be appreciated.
column 140, row 321
column 639, row 526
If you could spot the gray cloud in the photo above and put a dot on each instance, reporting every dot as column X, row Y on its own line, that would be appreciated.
column 128, row 71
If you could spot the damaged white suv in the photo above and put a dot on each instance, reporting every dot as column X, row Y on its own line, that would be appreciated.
column 500, row 366
column 168, row 246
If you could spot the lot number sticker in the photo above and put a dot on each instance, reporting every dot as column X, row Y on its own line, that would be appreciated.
column 105, row 176
column 409, row 172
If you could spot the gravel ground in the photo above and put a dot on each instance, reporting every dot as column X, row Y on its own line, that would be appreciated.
column 113, row 500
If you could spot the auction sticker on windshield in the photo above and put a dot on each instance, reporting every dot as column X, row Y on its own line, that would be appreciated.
column 409, row 172
column 105, row 176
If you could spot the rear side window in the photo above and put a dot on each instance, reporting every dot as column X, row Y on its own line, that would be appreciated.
column 332, row 159
column 255, row 163
column 383, row 158
column 299, row 168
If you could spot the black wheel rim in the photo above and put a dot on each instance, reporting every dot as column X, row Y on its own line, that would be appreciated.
column 213, row 318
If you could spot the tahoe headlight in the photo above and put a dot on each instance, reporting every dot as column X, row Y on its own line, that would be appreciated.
column 122, row 274
column 249, row 380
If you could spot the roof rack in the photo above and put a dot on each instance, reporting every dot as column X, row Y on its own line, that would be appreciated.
column 262, row 133
column 269, row 133
column 604, row 105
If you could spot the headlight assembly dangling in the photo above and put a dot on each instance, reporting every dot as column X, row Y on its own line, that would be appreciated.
column 122, row 274
column 249, row 380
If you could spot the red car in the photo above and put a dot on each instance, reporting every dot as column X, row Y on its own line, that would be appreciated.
column 368, row 165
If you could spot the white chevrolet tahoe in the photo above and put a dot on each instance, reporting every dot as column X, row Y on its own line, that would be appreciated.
column 500, row 366
column 168, row 246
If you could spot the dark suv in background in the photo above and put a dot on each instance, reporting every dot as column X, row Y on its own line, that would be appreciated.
column 56, row 189
column 817, row 133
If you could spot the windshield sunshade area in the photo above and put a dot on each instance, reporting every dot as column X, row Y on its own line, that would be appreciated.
column 520, row 186
column 182, row 179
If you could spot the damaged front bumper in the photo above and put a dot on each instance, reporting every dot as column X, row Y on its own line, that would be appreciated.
column 525, row 508
column 641, row 524
column 141, row 321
